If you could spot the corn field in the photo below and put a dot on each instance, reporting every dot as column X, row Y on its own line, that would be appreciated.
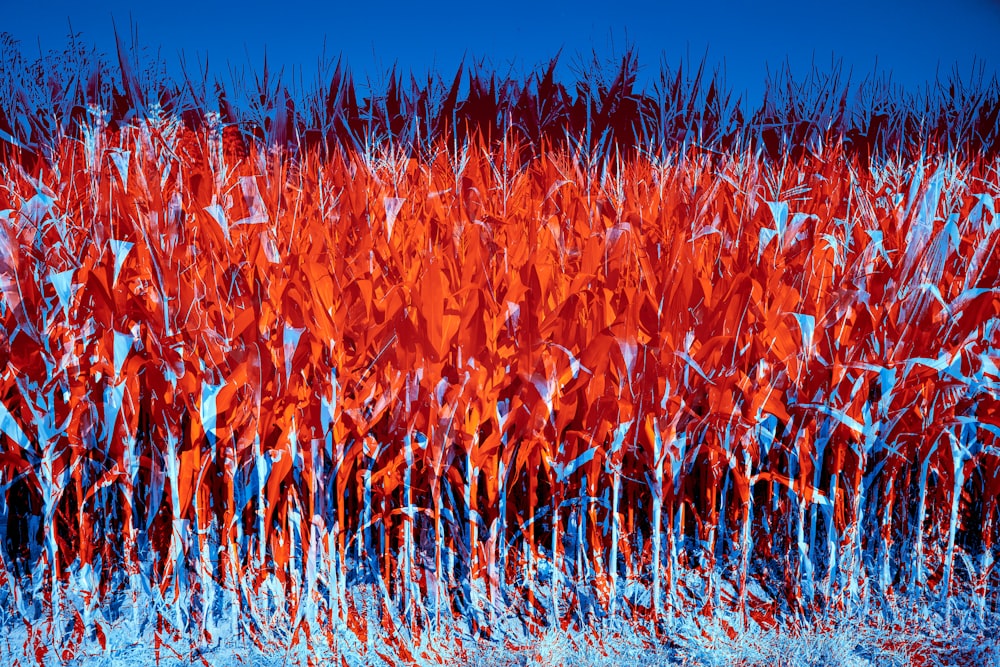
column 481, row 362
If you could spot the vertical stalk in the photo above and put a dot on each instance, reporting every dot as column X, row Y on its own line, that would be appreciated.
column 532, row 496
column 985, row 561
column 918, row 548
column 408, row 530
column 831, row 539
column 672, row 566
column 616, row 483
column 502, row 532
column 805, row 569
column 51, row 544
column 817, row 479
column 556, row 542
column 316, row 520
column 949, row 560
column 176, row 562
column 885, row 573
column 656, row 530
column 366, row 544
column 438, row 565
column 745, row 541
column 471, row 491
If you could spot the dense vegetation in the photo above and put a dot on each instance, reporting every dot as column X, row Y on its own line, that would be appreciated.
column 487, row 352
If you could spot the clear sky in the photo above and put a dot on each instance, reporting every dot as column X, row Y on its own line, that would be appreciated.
column 911, row 39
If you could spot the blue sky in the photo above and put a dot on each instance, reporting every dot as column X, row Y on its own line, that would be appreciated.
column 911, row 40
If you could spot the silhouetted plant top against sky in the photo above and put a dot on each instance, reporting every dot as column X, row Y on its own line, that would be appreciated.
column 913, row 40
column 601, row 112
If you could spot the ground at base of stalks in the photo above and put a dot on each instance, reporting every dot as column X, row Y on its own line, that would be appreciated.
column 709, row 643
